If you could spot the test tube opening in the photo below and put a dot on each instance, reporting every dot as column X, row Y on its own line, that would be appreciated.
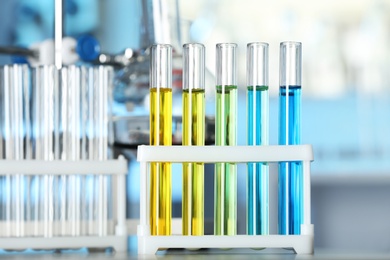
column 290, row 64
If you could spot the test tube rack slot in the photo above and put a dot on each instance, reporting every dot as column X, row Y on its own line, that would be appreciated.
column 301, row 244
column 115, row 239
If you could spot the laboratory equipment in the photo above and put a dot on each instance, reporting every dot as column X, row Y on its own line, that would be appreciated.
column 45, row 134
column 160, row 20
column 290, row 173
column 83, row 49
column 225, row 204
column 14, row 102
column 257, row 130
column 193, row 124
column 57, row 168
column 149, row 244
column 160, row 134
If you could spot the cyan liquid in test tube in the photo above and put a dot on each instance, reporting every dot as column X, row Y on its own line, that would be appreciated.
column 290, row 173
column 257, row 130
column 160, row 134
column 193, row 134
column 225, row 204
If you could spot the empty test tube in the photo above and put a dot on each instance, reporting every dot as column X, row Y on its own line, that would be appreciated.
column 290, row 173
column 225, row 205
column 96, row 87
column 54, row 204
column 14, row 133
column 257, row 130
column 72, row 146
column 103, row 101
column 160, row 134
column 44, row 87
column 193, row 134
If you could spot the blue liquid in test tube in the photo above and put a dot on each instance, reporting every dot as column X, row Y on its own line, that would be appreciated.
column 290, row 173
column 257, row 129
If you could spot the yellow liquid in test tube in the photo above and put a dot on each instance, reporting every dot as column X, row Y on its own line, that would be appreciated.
column 160, row 173
column 193, row 173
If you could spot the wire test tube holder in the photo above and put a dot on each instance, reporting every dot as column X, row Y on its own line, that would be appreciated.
column 117, row 168
column 302, row 244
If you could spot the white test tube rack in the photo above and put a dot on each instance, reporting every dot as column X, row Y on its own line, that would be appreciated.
column 301, row 244
column 116, row 168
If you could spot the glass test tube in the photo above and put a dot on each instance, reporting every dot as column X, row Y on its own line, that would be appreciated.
column 101, row 84
column 16, row 151
column 82, row 202
column 92, row 134
column 71, row 146
column 160, row 134
column 225, row 205
column 45, row 88
column 95, row 107
column 63, row 196
column 15, row 135
column 193, row 134
column 257, row 129
column 290, row 173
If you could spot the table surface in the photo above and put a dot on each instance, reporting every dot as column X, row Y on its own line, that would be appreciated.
column 180, row 254
column 173, row 254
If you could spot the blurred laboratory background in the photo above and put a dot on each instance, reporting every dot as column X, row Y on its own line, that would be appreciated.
column 345, row 89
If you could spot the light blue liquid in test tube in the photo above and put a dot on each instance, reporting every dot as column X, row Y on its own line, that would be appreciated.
column 290, row 173
column 257, row 130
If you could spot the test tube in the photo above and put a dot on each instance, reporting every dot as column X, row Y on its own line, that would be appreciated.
column 257, row 130
column 225, row 205
column 83, row 207
column 24, row 135
column 72, row 146
column 86, row 180
column 193, row 134
column 8, row 151
column 102, row 106
column 14, row 144
column 44, row 107
column 95, row 109
column 160, row 134
column 48, row 150
column 65, row 139
column 290, row 173
column 36, row 123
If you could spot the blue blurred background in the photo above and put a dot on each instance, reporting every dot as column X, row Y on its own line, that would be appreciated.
column 346, row 88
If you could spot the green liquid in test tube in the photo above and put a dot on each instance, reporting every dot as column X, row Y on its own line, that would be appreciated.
column 225, row 204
